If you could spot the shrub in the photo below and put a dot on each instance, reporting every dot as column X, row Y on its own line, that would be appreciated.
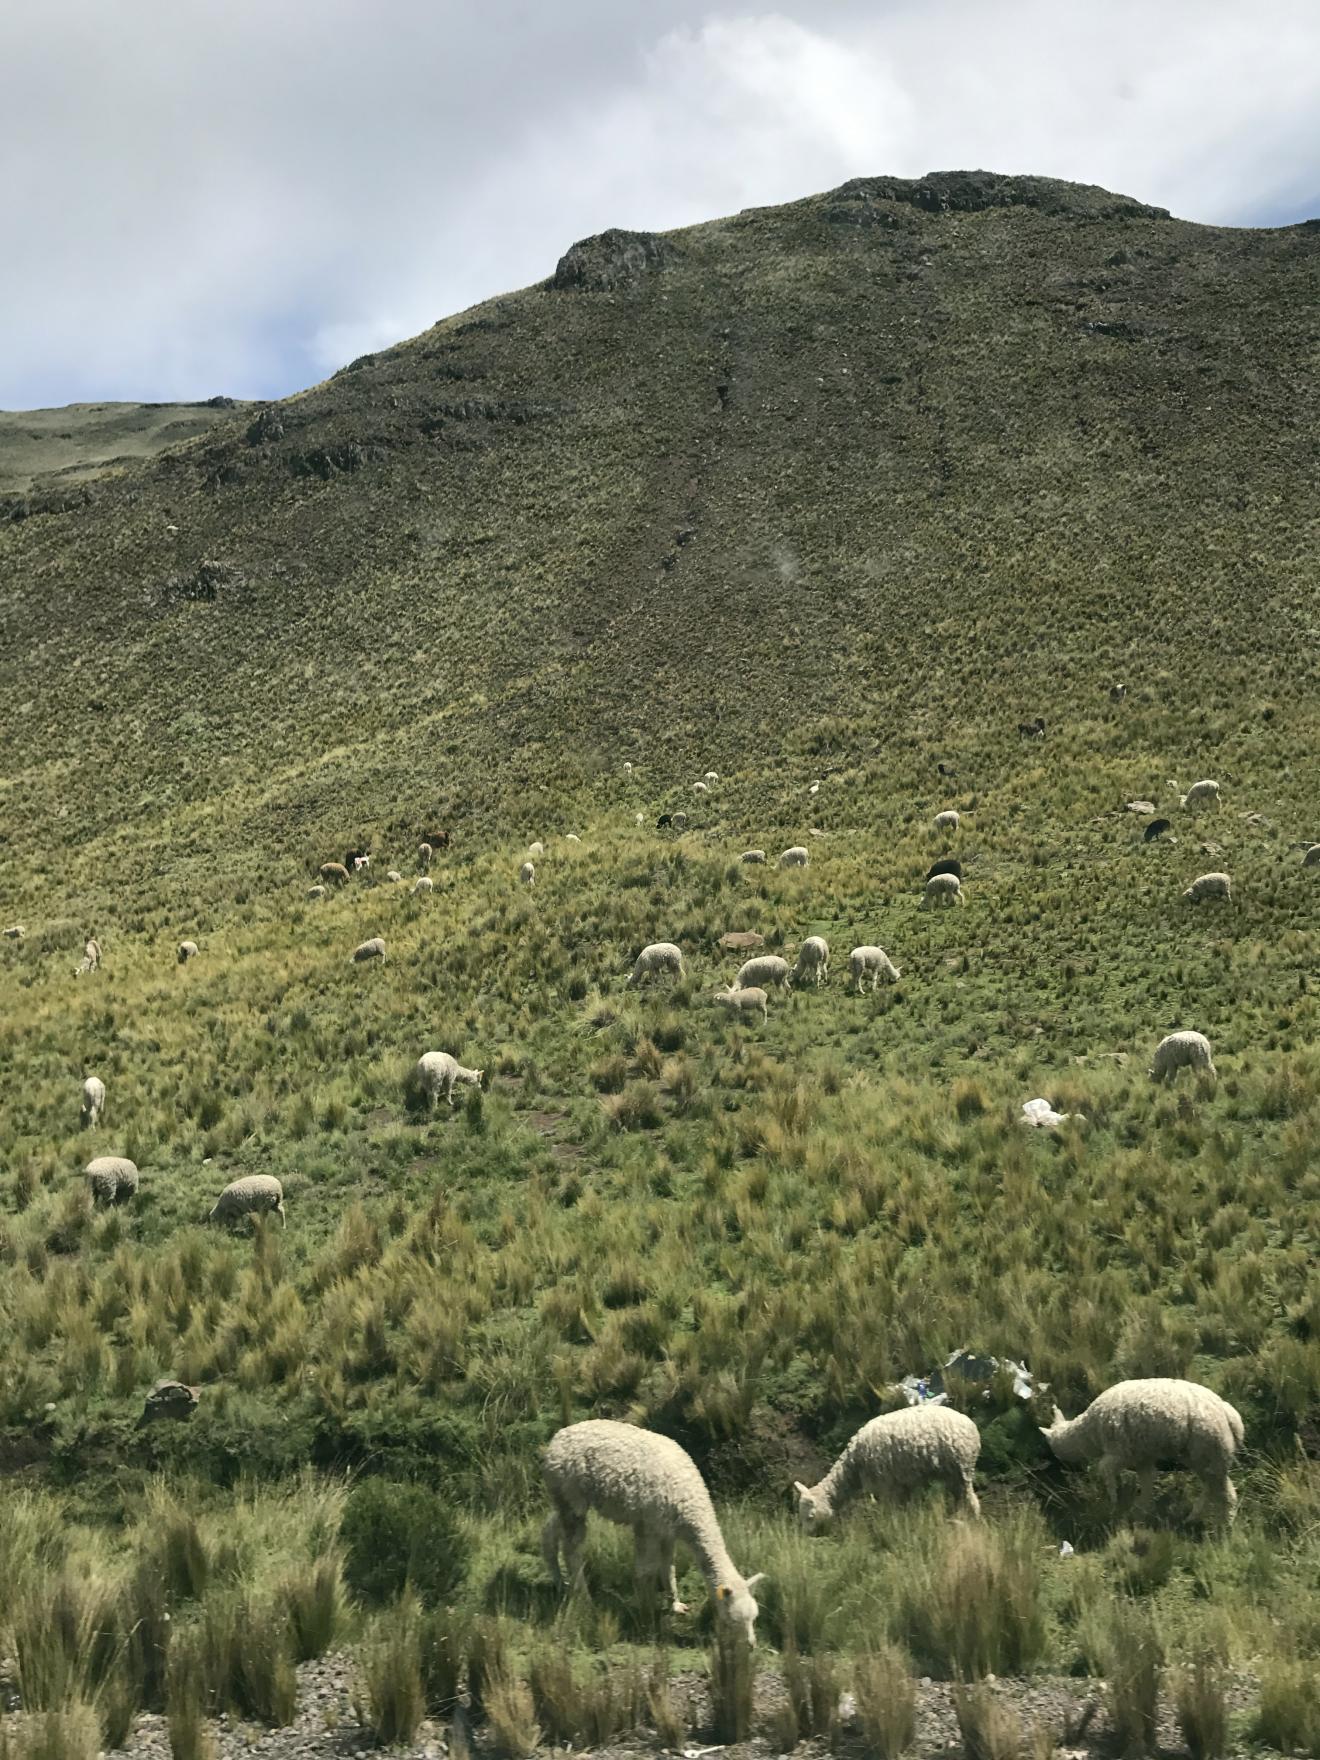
column 1289, row 1715
column 395, row 1536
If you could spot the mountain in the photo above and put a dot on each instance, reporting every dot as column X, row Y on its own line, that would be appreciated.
column 48, row 450
column 915, row 455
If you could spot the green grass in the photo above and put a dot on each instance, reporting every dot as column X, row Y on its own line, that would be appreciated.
column 738, row 1234
column 54, row 451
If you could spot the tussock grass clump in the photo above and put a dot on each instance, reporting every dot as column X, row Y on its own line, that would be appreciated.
column 1134, row 1664
column 990, row 1729
column 71, row 1733
column 389, row 1697
column 1288, row 1716
column 1202, row 1709
column 886, row 1702
column 511, row 1715
column 975, row 1605
column 188, row 1698
column 732, row 1678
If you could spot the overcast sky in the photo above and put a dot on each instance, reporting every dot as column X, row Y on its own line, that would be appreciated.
column 240, row 195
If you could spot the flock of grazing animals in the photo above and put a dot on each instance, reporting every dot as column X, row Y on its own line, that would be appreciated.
column 644, row 1481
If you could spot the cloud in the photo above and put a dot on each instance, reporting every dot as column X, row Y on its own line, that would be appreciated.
column 234, row 196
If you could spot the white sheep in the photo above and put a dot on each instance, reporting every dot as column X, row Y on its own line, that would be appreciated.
column 424, row 855
column 527, row 874
column 393, row 875
column 659, row 956
column 627, row 768
column 946, row 821
column 93, row 1102
column 942, row 889
column 536, row 849
column 111, row 1179
column 712, row 776
column 1209, row 886
column 895, row 1453
column 572, row 837
column 333, row 873
column 423, row 883
column 247, row 1196
column 15, row 932
column 751, row 1000
column 767, row 970
column 1181, row 1051
column 436, row 1072
column 373, row 949
column 639, row 818
column 316, row 892
column 679, row 821
column 645, row 1482
column 1200, row 792
column 813, row 962
column 796, row 857
column 1312, row 857
column 91, row 959
column 701, row 788
column 872, row 962
column 1141, row 1425
column 758, row 855
column 186, row 950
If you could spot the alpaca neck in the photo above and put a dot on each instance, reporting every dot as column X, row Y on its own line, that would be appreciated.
column 712, row 1555
column 839, row 1486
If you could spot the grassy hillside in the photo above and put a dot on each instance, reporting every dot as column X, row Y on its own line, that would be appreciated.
column 53, row 451
column 817, row 497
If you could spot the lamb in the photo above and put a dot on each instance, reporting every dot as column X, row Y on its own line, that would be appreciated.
column 895, row 1453
column 813, row 962
column 758, row 855
column 701, row 788
column 659, row 956
column 527, row 874
column 872, row 962
column 679, row 821
column 249, row 1196
column 572, row 837
column 436, row 1072
column 93, row 1102
column 1182, row 1051
column 424, row 854
column 1209, row 886
column 664, row 822
column 1310, row 860
column 1155, row 829
column 393, row 875
column 373, row 949
column 751, row 1000
column 361, row 864
column 536, row 849
column 712, row 776
column 1140, row 1425
column 639, row 818
column 111, row 1179
column 950, row 865
column 627, row 768
column 1200, row 792
column 765, row 971
column 946, row 821
column 1117, row 692
column 796, row 857
column 15, row 932
column 91, row 959
column 1032, row 729
column 316, row 892
column 333, row 873
column 942, row 889
column 423, row 883
column 645, row 1482
column 187, row 951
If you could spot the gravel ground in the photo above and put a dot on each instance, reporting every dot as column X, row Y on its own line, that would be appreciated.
column 326, row 1728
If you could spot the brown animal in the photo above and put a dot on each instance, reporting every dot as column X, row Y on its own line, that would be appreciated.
column 436, row 839
column 334, row 873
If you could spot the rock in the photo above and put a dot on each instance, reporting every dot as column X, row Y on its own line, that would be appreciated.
column 738, row 940
column 610, row 259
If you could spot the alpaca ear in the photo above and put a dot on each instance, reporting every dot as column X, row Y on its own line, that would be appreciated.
column 799, row 1487
column 758, row 1578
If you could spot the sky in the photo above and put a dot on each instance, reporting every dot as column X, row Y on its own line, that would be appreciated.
column 238, row 196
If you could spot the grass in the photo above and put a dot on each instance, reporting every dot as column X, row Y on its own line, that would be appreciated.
column 740, row 1234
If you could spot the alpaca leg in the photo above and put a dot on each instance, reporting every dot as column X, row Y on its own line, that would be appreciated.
column 1226, row 1494
column 1109, row 1474
column 550, row 1535
column 967, row 1492
column 572, row 1533
column 647, row 1566
column 669, row 1577
column 1146, row 1492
